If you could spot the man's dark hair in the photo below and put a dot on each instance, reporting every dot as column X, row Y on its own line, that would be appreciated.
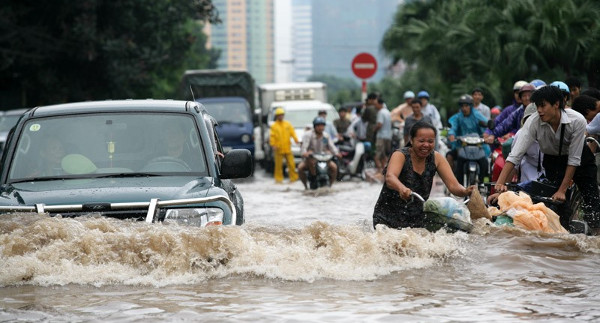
column 342, row 109
column 593, row 92
column 372, row 96
column 550, row 94
column 415, row 100
column 477, row 89
column 584, row 103
column 573, row 82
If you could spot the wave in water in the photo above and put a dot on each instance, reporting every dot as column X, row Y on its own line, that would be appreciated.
column 43, row 250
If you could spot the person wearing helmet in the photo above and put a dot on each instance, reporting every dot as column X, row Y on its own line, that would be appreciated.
column 401, row 112
column 511, row 124
column 430, row 110
column 465, row 122
column 279, row 138
column 564, row 88
column 318, row 141
column 537, row 83
column 560, row 133
column 515, row 104
column 494, row 112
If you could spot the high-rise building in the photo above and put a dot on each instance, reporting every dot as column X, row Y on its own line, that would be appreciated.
column 339, row 29
column 302, row 40
column 245, row 37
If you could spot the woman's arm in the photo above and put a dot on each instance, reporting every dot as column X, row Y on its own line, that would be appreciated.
column 445, row 171
column 393, row 171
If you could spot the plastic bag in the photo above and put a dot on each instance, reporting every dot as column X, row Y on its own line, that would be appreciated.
column 446, row 212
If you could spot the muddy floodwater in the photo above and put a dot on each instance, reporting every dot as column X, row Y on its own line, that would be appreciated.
column 300, row 257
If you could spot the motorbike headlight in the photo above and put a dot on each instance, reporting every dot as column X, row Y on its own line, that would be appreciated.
column 246, row 138
column 199, row 217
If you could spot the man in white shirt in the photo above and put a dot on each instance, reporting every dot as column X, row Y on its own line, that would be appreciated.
column 477, row 95
column 560, row 133
column 383, row 134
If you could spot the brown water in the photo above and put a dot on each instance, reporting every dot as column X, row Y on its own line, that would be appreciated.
column 299, row 257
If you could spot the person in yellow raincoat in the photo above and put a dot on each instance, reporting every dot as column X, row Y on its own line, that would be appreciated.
column 279, row 139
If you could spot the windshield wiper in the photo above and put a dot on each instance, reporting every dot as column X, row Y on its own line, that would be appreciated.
column 40, row 179
column 121, row 175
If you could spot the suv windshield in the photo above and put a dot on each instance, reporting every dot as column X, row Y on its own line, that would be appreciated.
column 121, row 144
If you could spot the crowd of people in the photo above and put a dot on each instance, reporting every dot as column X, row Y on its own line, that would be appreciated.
column 547, row 124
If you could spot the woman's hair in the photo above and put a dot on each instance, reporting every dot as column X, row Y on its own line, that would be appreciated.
column 420, row 125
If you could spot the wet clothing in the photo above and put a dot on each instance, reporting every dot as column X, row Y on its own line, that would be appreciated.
column 319, row 145
column 395, row 212
column 280, row 134
column 279, row 138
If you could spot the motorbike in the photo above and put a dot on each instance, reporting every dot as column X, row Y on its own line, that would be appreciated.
column 321, row 177
column 470, row 152
column 354, row 159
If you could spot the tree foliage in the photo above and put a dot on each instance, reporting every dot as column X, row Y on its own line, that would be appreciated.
column 60, row 51
column 462, row 44
column 339, row 90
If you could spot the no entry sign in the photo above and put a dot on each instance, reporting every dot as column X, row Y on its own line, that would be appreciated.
column 364, row 65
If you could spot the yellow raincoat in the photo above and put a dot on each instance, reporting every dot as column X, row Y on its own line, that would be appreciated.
column 279, row 139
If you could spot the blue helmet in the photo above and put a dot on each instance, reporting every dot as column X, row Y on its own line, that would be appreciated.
column 318, row 121
column 423, row 94
column 537, row 83
column 561, row 85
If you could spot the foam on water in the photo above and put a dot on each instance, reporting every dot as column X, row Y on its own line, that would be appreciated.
column 43, row 250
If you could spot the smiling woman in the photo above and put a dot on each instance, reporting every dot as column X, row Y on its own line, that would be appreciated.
column 409, row 170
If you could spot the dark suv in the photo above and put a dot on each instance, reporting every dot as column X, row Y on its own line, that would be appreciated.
column 151, row 160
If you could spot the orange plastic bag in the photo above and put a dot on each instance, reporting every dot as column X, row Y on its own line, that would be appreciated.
column 527, row 215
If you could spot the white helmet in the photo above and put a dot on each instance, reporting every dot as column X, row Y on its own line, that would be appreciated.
column 518, row 84
column 409, row 95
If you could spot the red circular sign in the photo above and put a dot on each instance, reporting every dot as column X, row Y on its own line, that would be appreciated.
column 364, row 65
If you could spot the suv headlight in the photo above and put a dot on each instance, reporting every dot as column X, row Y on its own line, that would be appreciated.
column 200, row 217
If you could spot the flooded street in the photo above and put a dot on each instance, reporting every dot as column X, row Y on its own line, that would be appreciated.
column 300, row 257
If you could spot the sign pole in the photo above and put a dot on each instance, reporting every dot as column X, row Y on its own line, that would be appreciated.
column 363, row 95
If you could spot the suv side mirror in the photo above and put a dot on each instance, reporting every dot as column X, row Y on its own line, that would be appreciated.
column 237, row 163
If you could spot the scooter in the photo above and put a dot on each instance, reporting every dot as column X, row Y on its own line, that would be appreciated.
column 353, row 159
column 470, row 151
column 321, row 177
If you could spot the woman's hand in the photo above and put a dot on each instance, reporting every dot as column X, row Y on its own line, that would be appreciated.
column 469, row 190
column 405, row 193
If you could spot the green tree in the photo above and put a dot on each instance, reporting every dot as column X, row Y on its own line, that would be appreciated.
column 462, row 44
column 61, row 51
column 339, row 90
